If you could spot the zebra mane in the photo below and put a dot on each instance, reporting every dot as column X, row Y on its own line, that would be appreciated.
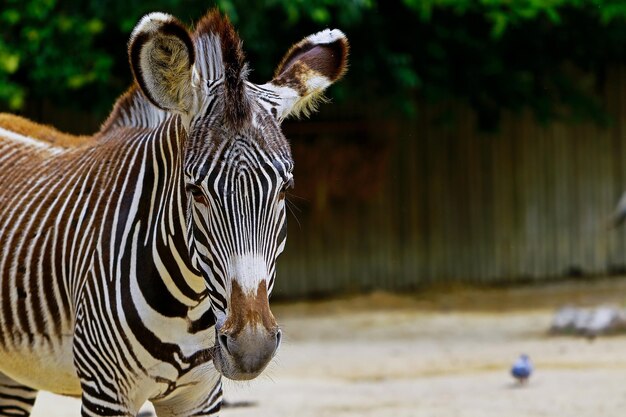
column 133, row 109
column 219, row 54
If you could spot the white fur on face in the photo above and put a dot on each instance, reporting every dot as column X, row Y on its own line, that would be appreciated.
column 248, row 270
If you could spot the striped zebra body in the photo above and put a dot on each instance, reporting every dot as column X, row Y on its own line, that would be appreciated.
column 136, row 264
column 69, row 291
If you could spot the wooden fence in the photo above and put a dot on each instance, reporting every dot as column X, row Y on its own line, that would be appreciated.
column 396, row 206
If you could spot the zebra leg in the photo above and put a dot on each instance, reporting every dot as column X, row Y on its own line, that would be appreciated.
column 16, row 400
column 98, row 405
column 191, row 401
column 108, row 385
column 103, row 392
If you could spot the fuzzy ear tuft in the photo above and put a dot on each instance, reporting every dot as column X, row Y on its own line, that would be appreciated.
column 308, row 68
column 161, row 56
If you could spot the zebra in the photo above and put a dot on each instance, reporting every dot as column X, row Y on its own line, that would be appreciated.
column 136, row 264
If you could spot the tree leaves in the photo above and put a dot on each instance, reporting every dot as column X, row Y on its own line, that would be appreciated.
column 493, row 54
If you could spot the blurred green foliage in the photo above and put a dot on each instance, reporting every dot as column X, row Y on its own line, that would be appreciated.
column 547, row 55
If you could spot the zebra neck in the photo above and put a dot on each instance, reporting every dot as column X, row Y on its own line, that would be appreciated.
column 163, row 297
column 162, row 205
column 166, row 281
column 165, row 203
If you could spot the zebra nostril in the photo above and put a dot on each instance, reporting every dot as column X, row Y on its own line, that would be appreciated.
column 279, row 337
column 223, row 339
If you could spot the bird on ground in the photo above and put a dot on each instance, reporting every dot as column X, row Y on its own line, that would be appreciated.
column 522, row 369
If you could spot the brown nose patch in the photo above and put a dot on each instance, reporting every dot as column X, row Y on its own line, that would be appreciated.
column 248, row 310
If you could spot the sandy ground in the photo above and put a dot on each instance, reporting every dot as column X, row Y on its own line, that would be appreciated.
column 436, row 354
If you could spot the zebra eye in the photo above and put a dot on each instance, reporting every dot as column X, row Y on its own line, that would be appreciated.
column 197, row 194
column 287, row 185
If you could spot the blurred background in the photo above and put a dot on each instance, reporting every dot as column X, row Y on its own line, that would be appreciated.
column 472, row 143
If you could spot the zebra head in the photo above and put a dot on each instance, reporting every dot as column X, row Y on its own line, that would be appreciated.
column 237, row 163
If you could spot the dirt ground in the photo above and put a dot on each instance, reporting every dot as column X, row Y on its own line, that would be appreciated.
column 435, row 354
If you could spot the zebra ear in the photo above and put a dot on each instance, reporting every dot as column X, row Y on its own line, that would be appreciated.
column 161, row 56
column 308, row 68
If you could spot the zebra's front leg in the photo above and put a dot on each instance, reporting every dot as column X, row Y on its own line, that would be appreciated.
column 108, row 389
column 196, row 400
column 16, row 400
column 99, row 403
column 109, row 386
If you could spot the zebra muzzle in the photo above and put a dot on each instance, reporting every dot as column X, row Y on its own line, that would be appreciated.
column 249, row 338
